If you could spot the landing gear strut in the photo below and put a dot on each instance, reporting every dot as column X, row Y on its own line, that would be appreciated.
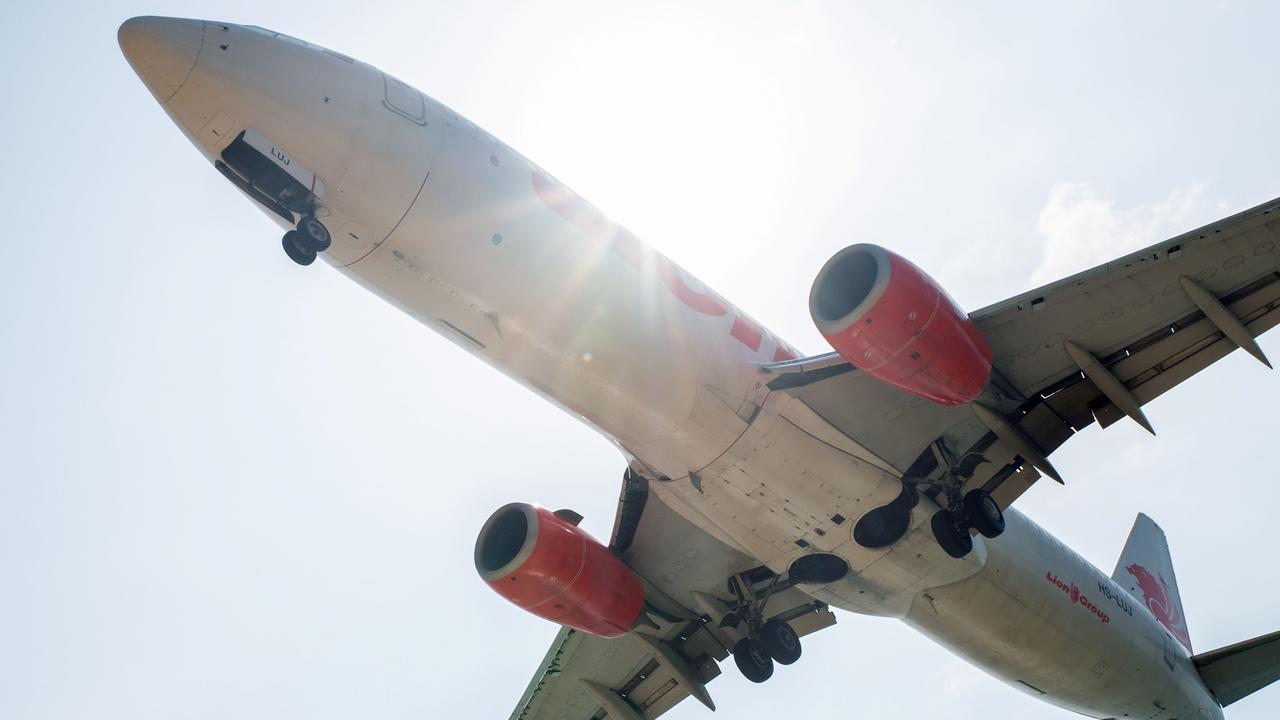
column 310, row 237
column 765, row 642
column 976, row 509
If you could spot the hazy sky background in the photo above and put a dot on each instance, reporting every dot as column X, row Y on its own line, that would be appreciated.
column 233, row 487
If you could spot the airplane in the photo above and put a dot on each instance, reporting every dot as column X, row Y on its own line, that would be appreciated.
column 762, row 489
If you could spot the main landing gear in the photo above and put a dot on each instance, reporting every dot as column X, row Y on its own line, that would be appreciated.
column 976, row 510
column 766, row 642
column 310, row 238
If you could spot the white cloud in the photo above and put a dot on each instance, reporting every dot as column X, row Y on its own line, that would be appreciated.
column 1083, row 229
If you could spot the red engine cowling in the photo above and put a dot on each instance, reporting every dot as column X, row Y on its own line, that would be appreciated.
column 888, row 318
column 555, row 570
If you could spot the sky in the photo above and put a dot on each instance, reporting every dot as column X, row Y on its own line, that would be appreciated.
column 234, row 487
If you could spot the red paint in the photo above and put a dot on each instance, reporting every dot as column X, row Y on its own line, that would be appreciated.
column 1161, row 602
column 629, row 248
column 1078, row 598
column 703, row 301
column 915, row 338
column 571, row 579
column 747, row 332
column 592, row 223
column 569, row 206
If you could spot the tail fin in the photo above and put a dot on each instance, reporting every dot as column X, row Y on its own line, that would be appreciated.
column 1241, row 669
column 1146, row 571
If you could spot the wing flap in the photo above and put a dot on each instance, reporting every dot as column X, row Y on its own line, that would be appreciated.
column 1192, row 346
column 1115, row 305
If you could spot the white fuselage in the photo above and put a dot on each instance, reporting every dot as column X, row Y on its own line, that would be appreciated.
column 463, row 233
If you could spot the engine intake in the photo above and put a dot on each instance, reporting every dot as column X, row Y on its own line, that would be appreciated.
column 552, row 568
column 888, row 318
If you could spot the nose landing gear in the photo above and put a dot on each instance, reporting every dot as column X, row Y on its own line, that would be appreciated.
column 310, row 237
column 315, row 232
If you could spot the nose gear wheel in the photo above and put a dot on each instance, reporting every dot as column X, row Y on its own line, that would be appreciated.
column 309, row 239
column 298, row 249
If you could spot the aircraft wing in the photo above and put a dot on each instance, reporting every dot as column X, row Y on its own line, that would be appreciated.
column 1095, row 346
column 647, row 672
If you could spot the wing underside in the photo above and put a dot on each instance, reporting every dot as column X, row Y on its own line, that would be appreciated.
column 678, row 651
column 1094, row 347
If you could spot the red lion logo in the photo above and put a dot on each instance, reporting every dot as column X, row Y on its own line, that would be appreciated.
column 1156, row 592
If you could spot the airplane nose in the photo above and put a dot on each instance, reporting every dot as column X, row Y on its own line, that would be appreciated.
column 162, row 51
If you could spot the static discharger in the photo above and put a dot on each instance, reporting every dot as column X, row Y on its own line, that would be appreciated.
column 1108, row 383
column 1221, row 316
column 1022, row 444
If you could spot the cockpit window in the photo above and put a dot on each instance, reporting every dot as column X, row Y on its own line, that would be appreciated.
column 262, row 30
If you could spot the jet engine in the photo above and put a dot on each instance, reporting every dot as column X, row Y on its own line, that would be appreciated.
column 891, row 320
column 543, row 562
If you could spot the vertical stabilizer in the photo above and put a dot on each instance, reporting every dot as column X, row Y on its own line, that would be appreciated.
column 1146, row 571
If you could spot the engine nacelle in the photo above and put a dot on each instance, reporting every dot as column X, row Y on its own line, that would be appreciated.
column 555, row 570
column 891, row 320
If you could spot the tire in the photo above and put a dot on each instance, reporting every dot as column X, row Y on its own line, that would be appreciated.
column 954, row 541
column 752, row 660
column 983, row 513
column 297, row 249
column 780, row 641
column 314, row 233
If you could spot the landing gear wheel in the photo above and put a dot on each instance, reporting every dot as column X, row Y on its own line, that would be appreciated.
column 315, row 233
column 752, row 660
column 983, row 513
column 954, row 539
column 298, row 249
column 780, row 641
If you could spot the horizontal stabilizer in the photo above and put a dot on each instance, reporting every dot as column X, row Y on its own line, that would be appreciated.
column 1242, row 669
